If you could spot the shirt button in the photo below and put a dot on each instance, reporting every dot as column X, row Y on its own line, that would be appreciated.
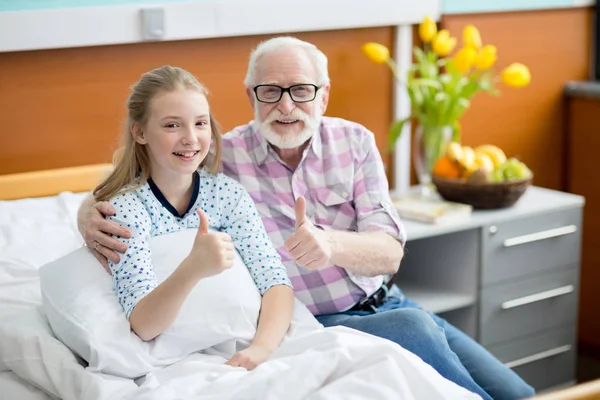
column 344, row 194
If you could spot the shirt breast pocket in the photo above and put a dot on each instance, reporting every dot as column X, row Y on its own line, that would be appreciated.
column 335, row 195
column 334, row 208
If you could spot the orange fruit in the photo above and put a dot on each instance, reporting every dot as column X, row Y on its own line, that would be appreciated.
column 446, row 168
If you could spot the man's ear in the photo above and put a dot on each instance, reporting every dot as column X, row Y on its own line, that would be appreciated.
column 137, row 133
column 251, row 98
column 325, row 98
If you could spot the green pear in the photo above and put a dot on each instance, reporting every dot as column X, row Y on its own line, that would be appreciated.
column 497, row 175
column 514, row 169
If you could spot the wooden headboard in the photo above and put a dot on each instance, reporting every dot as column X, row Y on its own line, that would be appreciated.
column 52, row 182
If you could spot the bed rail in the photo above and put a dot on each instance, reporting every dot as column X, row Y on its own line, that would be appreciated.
column 583, row 391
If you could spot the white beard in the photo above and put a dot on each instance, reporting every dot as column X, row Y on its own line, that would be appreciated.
column 287, row 140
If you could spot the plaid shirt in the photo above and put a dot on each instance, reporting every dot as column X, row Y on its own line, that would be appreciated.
column 342, row 178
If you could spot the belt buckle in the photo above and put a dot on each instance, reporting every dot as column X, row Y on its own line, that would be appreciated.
column 379, row 296
column 364, row 301
column 372, row 301
column 377, row 300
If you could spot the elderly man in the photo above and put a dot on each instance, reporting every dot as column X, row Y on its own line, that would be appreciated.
column 321, row 189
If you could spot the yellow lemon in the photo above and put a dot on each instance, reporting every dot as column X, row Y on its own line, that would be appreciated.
column 484, row 162
column 454, row 151
column 495, row 154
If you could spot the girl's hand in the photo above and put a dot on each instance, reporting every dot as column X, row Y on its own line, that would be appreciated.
column 213, row 252
column 250, row 357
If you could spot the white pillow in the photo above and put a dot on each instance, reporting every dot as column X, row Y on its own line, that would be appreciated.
column 85, row 314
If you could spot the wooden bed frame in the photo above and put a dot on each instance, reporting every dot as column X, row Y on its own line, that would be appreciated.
column 53, row 181
column 85, row 178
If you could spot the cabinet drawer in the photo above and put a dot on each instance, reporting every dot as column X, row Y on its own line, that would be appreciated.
column 521, row 247
column 531, row 305
column 543, row 360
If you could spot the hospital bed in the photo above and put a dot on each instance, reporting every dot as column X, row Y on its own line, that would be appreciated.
column 38, row 224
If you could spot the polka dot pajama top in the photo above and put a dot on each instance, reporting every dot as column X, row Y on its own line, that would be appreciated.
column 229, row 208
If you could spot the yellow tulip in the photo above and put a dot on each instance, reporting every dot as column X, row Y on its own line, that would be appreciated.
column 376, row 52
column 427, row 29
column 464, row 59
column 516, row 75
column 471, row 37
column 443, row 43
column 486, row 58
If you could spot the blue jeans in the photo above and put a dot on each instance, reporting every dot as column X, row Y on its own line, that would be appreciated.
column 449, row 351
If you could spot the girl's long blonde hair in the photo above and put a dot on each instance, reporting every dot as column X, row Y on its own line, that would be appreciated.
column 132, row 164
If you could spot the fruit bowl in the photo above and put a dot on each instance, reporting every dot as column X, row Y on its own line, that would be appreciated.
column 482, row 195
column 482, row 177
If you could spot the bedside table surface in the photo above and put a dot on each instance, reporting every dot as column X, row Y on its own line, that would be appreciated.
column 535, row 201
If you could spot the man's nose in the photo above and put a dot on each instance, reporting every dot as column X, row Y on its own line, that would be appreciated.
column 286, row 105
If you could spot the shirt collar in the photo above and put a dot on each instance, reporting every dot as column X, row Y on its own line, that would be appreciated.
column 317, row 141
column 261, row 151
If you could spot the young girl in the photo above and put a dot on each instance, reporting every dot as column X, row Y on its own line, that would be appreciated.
column 157, row 188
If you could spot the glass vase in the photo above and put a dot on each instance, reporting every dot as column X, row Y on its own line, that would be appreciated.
column 429, row 144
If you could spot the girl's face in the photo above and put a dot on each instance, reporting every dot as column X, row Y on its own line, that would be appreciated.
column 177, row 133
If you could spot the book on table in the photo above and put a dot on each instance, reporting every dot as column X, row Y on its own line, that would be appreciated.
column 434, row 211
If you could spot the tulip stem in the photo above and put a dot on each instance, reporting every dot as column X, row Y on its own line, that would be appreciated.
column 392, row 64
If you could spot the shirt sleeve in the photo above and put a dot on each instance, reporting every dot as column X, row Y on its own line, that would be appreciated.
column 133, row 276
column 373, row 204
column 240, row 219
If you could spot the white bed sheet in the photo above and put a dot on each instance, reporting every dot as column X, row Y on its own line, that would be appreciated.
column 12, row 387
column 32, row 233
column 326, row 364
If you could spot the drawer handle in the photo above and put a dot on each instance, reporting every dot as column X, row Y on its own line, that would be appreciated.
column 539, row 356
column 532, row 298
column 534, row 237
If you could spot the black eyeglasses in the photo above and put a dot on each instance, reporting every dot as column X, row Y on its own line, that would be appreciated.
column 302, row 93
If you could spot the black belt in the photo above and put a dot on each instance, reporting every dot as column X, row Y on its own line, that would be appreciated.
column 374, row 300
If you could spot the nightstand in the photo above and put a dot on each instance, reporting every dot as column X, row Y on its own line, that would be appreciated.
column 509, row 278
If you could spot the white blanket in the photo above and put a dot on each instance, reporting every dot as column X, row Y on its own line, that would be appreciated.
column 325, row 363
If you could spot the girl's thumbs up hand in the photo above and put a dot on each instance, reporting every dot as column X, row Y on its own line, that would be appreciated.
column 212, row 253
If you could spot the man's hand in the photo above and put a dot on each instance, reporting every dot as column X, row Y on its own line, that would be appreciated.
column 250, row 357
column 308, row 245
column 96, row 229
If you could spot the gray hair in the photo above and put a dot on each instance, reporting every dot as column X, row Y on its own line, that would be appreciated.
column 318, row 58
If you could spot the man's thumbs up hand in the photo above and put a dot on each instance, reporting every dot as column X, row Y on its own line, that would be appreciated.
column 308, row 245
column 300, row 208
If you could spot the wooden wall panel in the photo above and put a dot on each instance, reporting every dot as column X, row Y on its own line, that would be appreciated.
column 64, row 107
column 528, row 123
column 61, row 108
column 583, row 144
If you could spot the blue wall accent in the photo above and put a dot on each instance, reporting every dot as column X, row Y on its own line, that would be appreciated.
column 472, row 6
column 448, row 6
column 19, row 5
